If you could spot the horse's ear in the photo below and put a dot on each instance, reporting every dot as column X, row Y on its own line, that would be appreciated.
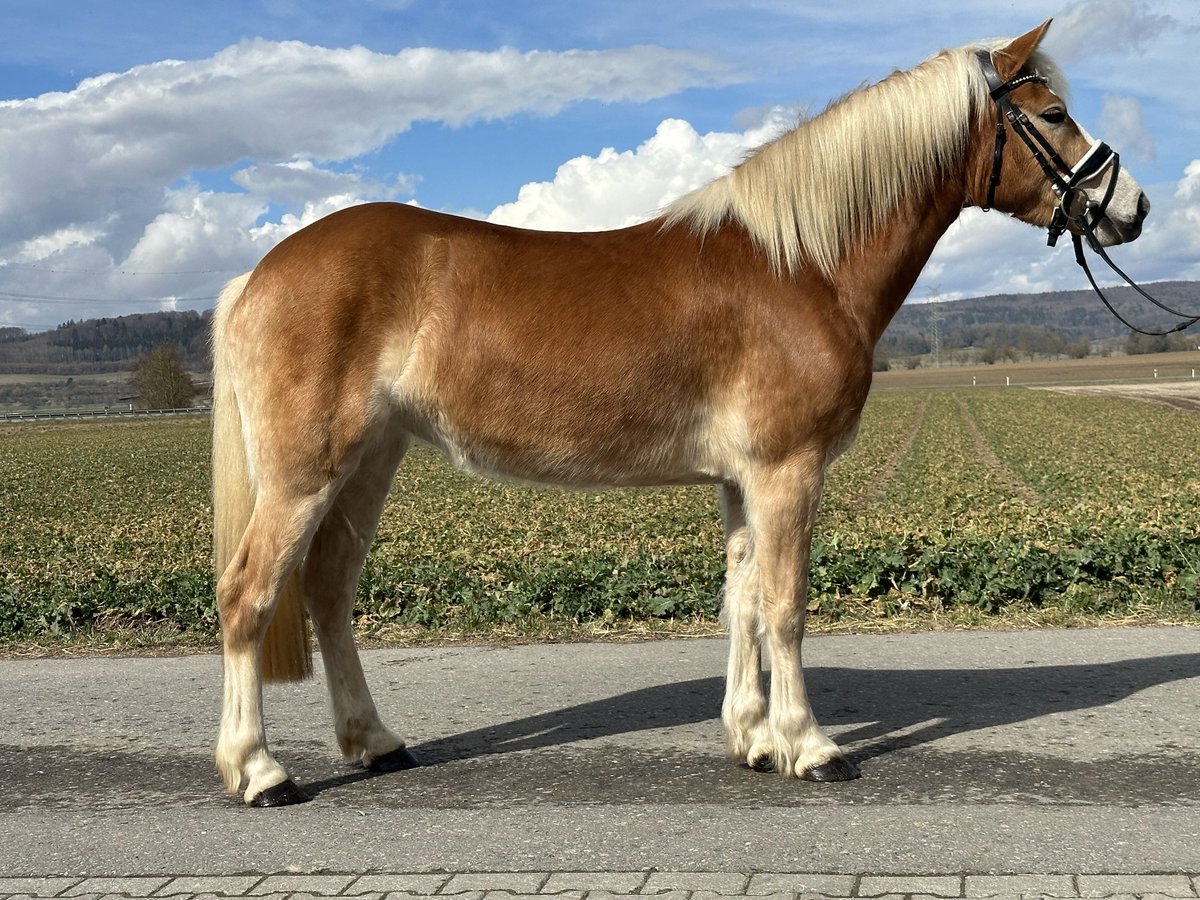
column 1010, row 60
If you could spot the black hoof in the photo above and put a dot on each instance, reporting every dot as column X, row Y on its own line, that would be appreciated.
column 396, row 761
column 762, row 763
column 286, row 793
column 837, row 769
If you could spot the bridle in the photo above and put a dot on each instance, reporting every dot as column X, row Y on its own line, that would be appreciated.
column 1075, row 206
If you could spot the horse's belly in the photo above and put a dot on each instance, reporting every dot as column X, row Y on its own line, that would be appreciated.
column 582, row 460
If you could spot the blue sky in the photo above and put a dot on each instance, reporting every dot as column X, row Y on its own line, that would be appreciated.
column 155, row 149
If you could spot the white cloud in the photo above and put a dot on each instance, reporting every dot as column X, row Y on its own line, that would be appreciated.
column 115, row 141
column 1171, row 242
column 271, row 233
column 197, row 229
column 1124, row 128
column 298, row 181
column 991, row 253
column 1189, row 186
column 1103, row 26
column 614, row 189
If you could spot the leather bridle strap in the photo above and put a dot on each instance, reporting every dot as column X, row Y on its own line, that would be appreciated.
column 999, row 92
column 1077, row 240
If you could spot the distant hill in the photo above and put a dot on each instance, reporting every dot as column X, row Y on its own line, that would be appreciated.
column 1008, row 320
column 104, row 345
column 1033, row 324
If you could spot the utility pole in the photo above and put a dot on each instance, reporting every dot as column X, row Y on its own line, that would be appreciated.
column 935, row 316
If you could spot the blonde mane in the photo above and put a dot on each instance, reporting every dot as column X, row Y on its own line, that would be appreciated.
column 813, row 193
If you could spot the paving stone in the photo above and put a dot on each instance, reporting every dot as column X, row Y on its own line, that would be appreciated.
column 36, row 887
column 665, row 895
column 319, row 885
column 409, row 895
column 937, row 885
column 132, row 886
column 517, row 882
column 770, row 883
column 218, row 885
column 408, row 883
column 778, row 895
column 506, row 895
column 1106, row 885
column 728, row 883
column 993, row 885
column 612, row 882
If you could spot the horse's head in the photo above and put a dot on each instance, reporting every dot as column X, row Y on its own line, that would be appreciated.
column 1031, row 159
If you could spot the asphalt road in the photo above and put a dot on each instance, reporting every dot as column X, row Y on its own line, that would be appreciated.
column 1028, row 752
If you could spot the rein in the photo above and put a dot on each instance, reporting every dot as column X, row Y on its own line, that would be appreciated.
column 1075, row 207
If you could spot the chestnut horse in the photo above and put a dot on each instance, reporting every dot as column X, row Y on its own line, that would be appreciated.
column 728, row 342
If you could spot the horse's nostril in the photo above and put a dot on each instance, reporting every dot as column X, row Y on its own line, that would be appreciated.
column 1143, row 206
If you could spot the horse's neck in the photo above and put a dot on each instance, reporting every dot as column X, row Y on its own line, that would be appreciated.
column 874, row 279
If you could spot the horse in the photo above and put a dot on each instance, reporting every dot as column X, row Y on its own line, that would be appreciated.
column 728, row 341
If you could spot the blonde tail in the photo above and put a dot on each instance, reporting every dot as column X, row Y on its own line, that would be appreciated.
column 287, row 651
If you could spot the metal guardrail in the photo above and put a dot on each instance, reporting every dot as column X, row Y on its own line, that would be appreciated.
column 103, row 414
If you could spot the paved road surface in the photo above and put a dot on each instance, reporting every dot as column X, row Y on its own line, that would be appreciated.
column 987, row 759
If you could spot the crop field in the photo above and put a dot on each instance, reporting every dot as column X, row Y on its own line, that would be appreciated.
column 980, row 500
column 1149, row 368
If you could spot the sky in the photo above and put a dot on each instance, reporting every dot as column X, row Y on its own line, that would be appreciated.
column 151, row 150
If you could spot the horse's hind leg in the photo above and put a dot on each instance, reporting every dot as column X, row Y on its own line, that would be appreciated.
column 247, row 593
column 744, row 711
column 331, row 572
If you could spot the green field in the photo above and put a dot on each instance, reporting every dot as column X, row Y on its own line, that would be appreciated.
column 976, row 503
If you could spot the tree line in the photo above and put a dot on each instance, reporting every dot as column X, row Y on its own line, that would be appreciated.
column 105, row 345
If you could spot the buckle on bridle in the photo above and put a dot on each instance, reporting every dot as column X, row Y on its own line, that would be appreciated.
column 1073, row 206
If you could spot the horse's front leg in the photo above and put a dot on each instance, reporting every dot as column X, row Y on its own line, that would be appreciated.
column 331, row 572
column 782, row 503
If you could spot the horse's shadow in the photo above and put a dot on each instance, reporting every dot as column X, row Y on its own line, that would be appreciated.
column 924, row 704
column 873, row 711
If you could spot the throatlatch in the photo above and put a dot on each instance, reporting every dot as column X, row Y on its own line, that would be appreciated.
column 1075, row 206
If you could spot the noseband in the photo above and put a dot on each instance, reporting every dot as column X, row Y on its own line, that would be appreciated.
column 1075, row 206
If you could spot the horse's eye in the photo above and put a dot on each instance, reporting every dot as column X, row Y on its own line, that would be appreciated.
column 1054, row 115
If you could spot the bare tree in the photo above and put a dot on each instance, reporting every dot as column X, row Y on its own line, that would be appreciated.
column 159, row 380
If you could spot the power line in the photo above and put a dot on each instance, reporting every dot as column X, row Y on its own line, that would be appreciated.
column 38, row 298
column 71, row 271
